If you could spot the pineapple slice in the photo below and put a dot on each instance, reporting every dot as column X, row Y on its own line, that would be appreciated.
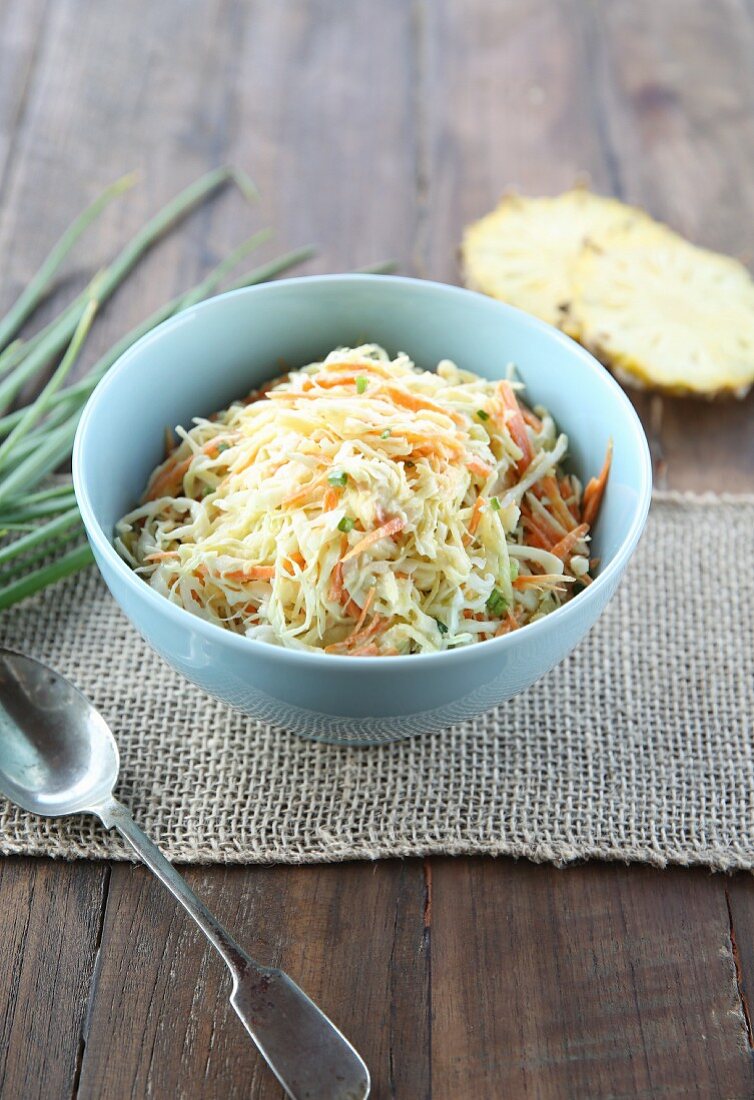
column 664, row 314
column 525, row 250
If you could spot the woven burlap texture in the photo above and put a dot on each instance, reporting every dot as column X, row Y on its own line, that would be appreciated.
column 638, row 747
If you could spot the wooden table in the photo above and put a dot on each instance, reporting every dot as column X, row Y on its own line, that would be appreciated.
column 378, row 130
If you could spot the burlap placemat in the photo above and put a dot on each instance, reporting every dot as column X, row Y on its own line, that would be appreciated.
column 639, row 747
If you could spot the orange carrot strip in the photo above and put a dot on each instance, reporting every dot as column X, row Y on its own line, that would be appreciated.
column 371, row 365
column 541, row 580
column 530, row 418
column 392, row 527
column 418, row 404
column 510, row 622
column 169, row 480
column 557, row 505
column 170, row 441
column 595, row 489
column 516, row 426
column 325, row 382
column 257, row 395
column 544, row 520
column 534, row 536
column 336, row 583
column 546, row 535
column 161, row 555
column 476, row 514
column 360, row 637
column 331, row 500
column 481, row 469
column 565, row 547
column 254, row 573
column 365, row 610
column 376, row 625
column 296, row 558
column 303, row 494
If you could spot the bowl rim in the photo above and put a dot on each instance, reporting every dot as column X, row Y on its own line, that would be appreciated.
column 103, row 545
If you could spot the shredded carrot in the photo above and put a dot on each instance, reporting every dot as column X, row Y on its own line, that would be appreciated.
column 325, row 382
column 419, row 404
column 510, row 622
column 568, row 493
column 565, row 547
column 336, row 583
column 331, row 500
column 161, row 555
column 481, row 469
column 257, row 395
column 516, row 426
column 253, row 573
column 170, row 479
column 542, row 532
column 530, row 418
column 476, row 514
column 543, row 519
column 359, row 637
column 552, row 581
column 170, row 441
column 557, row 505
column 534, row 536
column 296, row 558
column 304, row 494
column 595, row 489
column 392, row 527
column 365, row 609
column 371, row 365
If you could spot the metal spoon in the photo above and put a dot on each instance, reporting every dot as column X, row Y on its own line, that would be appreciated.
column 57, row 756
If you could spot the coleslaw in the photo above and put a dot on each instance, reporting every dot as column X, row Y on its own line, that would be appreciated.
column 362, row 506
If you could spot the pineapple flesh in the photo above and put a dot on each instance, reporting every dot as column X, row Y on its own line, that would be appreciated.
column 664, row 314
column 661, row 313
column 524, row 251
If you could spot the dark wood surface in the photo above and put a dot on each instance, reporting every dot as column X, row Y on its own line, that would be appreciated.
column 377, row 130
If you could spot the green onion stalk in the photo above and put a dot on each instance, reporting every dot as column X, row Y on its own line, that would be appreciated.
column 38, row 437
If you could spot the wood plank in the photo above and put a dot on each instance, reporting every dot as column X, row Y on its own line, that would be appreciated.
column 21, row 25
column 507, row 102
column 51, row 922
column 739, row 895
column 594, row 981
column 351, row 936
column 678, row 96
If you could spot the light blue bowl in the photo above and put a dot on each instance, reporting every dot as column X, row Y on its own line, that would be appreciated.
column 201, row 360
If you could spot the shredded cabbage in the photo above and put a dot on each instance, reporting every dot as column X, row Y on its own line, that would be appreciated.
column 362, row 506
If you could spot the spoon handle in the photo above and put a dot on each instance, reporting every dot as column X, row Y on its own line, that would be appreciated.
column 305, row 1051
column 114, row 815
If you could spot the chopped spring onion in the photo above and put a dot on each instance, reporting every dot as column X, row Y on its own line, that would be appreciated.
column 496, row 602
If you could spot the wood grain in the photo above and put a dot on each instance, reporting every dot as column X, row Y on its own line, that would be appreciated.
column 590, row 982
column 506, row 104
column 21, row 27
column 353, row 940
column 678, row 97
column 380, row 135
column 51, row 922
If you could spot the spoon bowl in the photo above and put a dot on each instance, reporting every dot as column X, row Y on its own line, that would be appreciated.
column 57, row 754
